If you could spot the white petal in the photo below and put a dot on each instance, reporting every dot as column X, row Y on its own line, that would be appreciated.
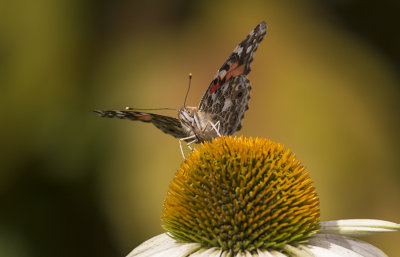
column 226, row 254
column 264, row 253
column 333, row 251
column 336, row 245
column 163, row 245
column 208, row 252
column 269, row 253
column 357, row 227
column 298, row 251
column 243, row 254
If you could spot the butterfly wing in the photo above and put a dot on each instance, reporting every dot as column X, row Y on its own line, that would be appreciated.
column 229, row 92
column 168, row 125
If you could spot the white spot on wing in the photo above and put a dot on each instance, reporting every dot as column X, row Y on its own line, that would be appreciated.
column 222, row 73
column 239, row 50
column 248, row 49
column 228, row 103
column 225, row 87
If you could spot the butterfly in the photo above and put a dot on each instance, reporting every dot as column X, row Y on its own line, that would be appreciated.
column 222, row 107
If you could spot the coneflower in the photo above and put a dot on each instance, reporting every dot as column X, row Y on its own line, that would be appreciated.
column 251, row 197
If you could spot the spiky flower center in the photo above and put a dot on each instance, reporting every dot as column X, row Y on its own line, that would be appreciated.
column 241, row 194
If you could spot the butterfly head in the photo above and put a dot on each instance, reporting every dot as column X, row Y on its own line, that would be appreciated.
column 187, row 115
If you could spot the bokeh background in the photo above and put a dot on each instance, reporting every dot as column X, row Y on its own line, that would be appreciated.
column 325, row 83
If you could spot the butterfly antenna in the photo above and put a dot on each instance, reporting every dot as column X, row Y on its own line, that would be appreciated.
column 187, row 93
column 156, row 109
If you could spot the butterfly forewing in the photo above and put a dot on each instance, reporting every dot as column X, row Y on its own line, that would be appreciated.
column 167, row 124
column 229, row 92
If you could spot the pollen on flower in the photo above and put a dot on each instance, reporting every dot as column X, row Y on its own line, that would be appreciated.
column 241, row 194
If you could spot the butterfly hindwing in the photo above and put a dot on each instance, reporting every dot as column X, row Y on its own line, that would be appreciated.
column 168, row 125
column 235, row 95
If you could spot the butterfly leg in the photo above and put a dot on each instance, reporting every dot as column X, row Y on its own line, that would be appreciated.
column 214, row 126
column 191, row 142
column 218, row 126
column 183, row 139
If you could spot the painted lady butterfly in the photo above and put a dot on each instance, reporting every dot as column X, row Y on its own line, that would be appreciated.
column 222, row 107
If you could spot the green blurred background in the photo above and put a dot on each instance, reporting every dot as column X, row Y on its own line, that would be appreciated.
column 325, row 83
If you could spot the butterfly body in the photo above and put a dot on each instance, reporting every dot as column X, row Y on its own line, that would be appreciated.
column 221, row 109
column 197, row 124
